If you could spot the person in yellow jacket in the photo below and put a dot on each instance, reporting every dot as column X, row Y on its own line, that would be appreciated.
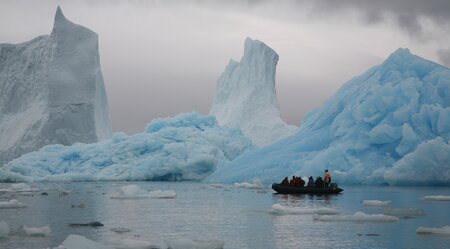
column 326, row 178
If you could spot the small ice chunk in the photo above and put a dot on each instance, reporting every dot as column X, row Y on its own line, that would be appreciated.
column 140, row 244
column 11, row 204
column 120, row 230
column 185, row 243
column 356, row 217
column 23, row 187
column 376, row 203
column 218, row 185
column 74, row 241
column 4, row 229
column 403, row 212
column 37, row 231
column 255, row 185
column 135, row 192
column 280, row 209
column 445, row 230
column 436, row 198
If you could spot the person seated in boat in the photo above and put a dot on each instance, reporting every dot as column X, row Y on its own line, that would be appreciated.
column 326, row 179
column 310, row 182
column 292, row 182
column 319, row 182
column 299, row 182
column 285, row 181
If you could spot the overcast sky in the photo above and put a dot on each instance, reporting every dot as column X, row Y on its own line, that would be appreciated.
column 160, row 58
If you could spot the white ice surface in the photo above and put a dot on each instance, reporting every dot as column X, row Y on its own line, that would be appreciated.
column 246, row 96
column 135, row 192
column 12, row 204
column 388, row 125
column 255, row 185
column 74, row 241
column 280, row 209
column 37, row 231
column 445, row 230
column 436, row 198
column 376, row 203
column 52, row 91
column 356, row 217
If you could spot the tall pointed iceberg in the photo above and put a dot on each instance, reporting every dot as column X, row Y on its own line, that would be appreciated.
column 246, row 96
column 52, row 91
column 389, row 125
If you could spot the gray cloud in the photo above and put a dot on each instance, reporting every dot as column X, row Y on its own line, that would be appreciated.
column 444, row 56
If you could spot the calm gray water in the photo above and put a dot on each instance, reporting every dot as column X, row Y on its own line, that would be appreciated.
column 239, row 217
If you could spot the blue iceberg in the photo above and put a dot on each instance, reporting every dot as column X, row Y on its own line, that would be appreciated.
column 389, row 125
column 188, row 146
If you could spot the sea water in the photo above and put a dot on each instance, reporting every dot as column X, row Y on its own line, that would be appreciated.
column 241, row 218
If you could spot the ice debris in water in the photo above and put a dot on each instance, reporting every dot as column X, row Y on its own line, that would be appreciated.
column 37, row 231
column 140, row 244
column 280, row 209
column 436, row 198
column 375, row 203
column 135, row 192
column 12, row 204
column 445, row 230
column 388, row 125
column 4, row 229
column 257, row 184
column 356, row 217
column 75, row 241
column 19, row 187
column 188, row 146
column 403, row 212
column 120, row 230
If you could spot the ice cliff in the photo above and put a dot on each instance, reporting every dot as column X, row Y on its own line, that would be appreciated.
column 246, row 96
column 186, row 147
column 391, row 124
column 52, row 91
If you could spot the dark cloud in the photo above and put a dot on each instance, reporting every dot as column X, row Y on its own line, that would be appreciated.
column 444, row 56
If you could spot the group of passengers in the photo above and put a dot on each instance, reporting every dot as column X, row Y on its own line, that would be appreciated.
column 297, row 181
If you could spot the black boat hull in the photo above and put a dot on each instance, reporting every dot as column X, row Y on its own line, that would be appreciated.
column 282, row 189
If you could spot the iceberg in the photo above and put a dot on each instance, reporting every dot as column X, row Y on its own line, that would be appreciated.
column 52, row 91
column 246, row 96
column 388, row 125
column 188, row 146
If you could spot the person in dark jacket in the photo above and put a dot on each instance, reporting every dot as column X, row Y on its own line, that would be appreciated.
column 285, row 181
column 319, row 182
column 310, row 182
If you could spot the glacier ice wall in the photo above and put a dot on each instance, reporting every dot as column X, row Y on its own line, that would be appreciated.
column 52, row 91
column 246, row 96
column 391, row 124
column 186, row 147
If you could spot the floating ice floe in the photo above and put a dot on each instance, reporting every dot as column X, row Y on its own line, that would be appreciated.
column 356, row 217
column 403, row 212
column 135, row 192
column 20, row 188
column 120, row 230
column 4, row 229
column 376, row 203
column 445, row 230
column 37, row 231
column 280, row 209
column 12, row 204
column 74, row 241
column 185, row 243
column 436, row 198
column 257, row 184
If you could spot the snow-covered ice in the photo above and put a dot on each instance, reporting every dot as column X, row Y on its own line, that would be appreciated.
column 246, row 96
column 12, row 204
column 390, row 124
column 436, row 198
column 52, row 91
column 188, row 146
column 280, row 209
column 356, row 217
column 376, row 203
column 4, row 229
column 135, row 192
column 445, row 230
column 75, row 241
column 37, row 231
